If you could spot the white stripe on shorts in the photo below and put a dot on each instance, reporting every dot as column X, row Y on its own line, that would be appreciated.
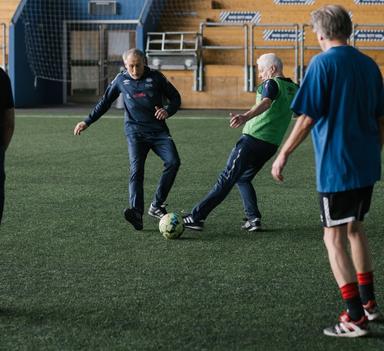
column 329, row 222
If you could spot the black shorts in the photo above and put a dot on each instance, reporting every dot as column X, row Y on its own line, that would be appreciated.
column 345, row 206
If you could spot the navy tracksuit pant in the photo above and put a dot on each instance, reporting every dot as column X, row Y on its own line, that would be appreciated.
column 247, row 157
column 139, row 144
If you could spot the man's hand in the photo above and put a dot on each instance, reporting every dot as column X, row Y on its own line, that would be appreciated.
column 237, row 120
column 160, row 113
column 278, row 166
column 81, row 126
column 301, row 129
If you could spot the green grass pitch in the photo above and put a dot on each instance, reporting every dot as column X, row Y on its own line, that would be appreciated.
column 76, row 276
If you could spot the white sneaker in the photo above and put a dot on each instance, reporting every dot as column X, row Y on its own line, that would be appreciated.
column 372, row 311
column 348, row 328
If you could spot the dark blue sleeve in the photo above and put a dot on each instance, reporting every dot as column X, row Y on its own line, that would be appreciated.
column 172, row 95
column 380, row 112
column 111, row 94
column 270, row 89
column 312, row 96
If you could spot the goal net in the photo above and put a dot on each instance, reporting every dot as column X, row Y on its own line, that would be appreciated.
column 79, row 42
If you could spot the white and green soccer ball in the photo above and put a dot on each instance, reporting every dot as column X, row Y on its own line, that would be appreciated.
column 171, row 225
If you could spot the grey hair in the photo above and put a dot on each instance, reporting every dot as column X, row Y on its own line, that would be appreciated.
column 332, row 22
column 268, row 60
column 134, row 52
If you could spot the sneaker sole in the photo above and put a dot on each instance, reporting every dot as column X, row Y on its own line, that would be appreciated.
column 354, row 334
column 154, row 215
column 253, row 229
column 193, row 227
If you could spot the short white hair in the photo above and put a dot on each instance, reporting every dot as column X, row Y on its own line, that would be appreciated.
column 133, row 52
column 268, row 60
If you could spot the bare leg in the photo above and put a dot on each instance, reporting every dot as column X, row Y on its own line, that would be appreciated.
column 359, row 247
column 336, row 242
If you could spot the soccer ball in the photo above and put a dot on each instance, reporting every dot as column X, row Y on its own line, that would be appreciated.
column 171, row 225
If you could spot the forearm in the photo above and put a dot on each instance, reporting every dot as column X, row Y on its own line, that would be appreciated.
column 258, row 109
column 8, row 127
column 102, row 107
column 174, row 103
column 111, row 94
column 172, row 108
column 299, row 132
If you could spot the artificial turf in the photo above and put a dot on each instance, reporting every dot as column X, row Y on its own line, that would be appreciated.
column 76, row 276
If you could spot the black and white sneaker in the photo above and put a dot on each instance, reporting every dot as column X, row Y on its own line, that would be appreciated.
column 192, row 224
column 133, row 217
column 252, row 225
column 157, row 212
column 348, row 328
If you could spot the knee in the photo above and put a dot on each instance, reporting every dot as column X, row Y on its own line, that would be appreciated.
column 354, row 235
column 172, row 164
column 136, row 172
column 357, row 237
column 333, row 241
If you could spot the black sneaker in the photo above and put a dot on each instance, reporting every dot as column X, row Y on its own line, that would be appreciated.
column 157, row 212
column 133, row 217
column 192, row 224
column 252, row 225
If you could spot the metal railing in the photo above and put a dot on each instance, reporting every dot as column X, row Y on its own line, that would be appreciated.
column 303, row 48
column 353, row 41
column 297, row 33
column 175, row 50
column 3, row 45
column 244, row 47
column 298, row 38
column 178, row 42
column 355, row 33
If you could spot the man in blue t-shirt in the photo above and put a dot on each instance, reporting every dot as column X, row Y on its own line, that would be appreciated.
column 144, row 92
column 341, row 100
column 7, row 126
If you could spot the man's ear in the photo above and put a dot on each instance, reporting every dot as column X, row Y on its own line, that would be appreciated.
column 320, row 37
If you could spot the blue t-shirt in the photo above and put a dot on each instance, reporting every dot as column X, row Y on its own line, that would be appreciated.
column 343, row 92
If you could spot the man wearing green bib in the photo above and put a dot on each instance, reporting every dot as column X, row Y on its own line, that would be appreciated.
column 265, row 125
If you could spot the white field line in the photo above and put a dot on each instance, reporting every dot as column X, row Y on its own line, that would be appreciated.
column 81, row 117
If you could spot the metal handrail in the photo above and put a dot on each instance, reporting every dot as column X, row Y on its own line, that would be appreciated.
column 304, row 47
column 3, row 46
column 299, row 46
column 353, row 36
column 244, row 47
column 253, row 47
column 164, row 39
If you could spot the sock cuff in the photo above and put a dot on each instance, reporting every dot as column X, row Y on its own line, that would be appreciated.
column 349, row 291
column 365, row 278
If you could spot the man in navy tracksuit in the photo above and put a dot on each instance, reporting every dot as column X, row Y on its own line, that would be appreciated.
column 144, row 92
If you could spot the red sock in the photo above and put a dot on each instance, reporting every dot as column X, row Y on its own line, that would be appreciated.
column 365, row 278
column 349, row 291
column 351, row 296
